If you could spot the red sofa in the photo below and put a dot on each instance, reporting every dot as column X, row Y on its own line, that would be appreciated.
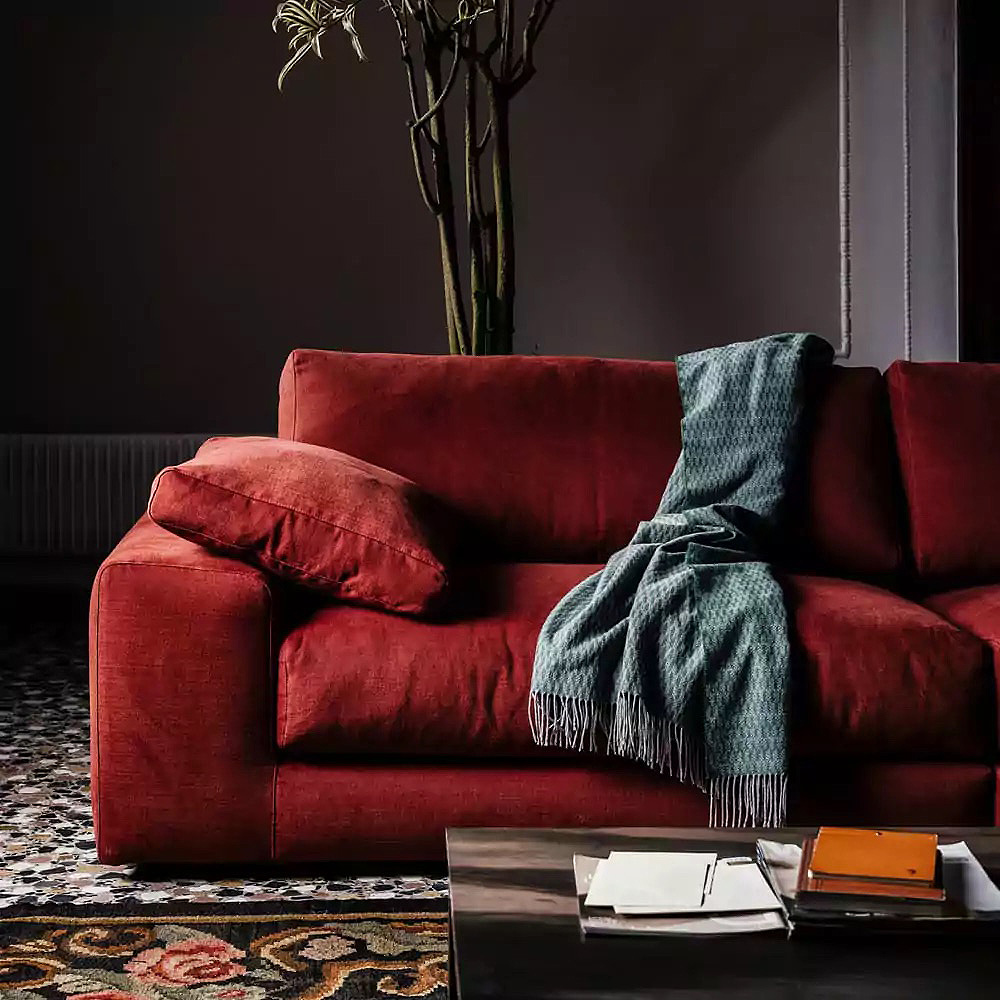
column 235, row 718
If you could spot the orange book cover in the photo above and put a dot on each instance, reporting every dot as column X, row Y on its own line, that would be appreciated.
column 874, row 854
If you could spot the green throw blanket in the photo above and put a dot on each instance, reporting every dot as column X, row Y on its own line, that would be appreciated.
column 676, row 653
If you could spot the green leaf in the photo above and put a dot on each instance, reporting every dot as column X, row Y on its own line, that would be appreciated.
column 300, row 52
column 305, row 24
column 348, row 25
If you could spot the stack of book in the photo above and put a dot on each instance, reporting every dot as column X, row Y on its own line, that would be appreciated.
column 871, row 871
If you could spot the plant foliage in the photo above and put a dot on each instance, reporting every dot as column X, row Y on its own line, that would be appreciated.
column 483, row 44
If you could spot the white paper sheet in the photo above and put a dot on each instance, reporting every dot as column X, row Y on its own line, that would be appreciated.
column 734, row 888
column 592, row 923
column 675, row 880
column 966, row 879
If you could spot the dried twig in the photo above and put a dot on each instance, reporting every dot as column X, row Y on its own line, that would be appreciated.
column 524, row 69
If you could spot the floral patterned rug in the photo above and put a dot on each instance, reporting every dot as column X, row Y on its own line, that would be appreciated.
column 48, row 859
column 398, row 950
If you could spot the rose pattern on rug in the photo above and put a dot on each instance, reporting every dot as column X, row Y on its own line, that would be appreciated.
column 47, row 852
column 187, row 963
column 333, row 957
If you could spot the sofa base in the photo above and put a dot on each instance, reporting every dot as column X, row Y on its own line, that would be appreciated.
column 392, row 811
column 370, row 810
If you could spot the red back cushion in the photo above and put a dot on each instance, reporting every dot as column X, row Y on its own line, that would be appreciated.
column 947, row 422
column 844, row 510
column 558, row 459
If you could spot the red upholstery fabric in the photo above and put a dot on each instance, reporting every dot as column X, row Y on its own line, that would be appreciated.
column 392, row 728
column 875, row 675
column 181, row 709
column 558, row 459
column 357, row 681
column 501, row 439
column 399, row 809
column 878, row 676
column 871, row 793
column 947, row 420
column 844, row 512
column 373, row 810
column 185, row 766
column 977, row 610
column 312, row 515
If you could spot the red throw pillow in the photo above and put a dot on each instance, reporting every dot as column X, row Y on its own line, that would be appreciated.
column 311, row 515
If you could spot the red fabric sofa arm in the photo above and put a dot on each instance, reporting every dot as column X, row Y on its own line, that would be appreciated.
column 181, row 704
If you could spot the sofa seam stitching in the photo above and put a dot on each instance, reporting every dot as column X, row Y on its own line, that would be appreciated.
column 268, row 715
column 283, row 665
column 294, row 510
column 295, row 395
column 96, row 782
column 253, row 577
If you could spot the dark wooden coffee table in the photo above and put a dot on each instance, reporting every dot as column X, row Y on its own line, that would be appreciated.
column 515, row 932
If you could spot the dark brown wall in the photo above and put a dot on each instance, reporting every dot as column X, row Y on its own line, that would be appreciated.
column 979, row 180
column 179, row 226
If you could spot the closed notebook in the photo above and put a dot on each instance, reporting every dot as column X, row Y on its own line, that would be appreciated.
column 882, row 855
column 833, row 893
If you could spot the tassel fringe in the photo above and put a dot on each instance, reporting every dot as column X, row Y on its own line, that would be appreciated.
column 627, row 729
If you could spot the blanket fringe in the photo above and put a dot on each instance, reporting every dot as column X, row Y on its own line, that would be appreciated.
column 627, row 729
column 747, row 800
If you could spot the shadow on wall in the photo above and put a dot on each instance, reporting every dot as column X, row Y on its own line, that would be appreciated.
column 184, row 226
column 700, row 208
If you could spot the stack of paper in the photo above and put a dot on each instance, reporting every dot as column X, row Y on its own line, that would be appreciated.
column 674, row 893
column 644, row 882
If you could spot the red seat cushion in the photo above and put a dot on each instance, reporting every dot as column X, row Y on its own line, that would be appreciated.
column 947, row 421
column 559, row 459
column 352, row 680
column 977, row 610
column 874, row 675
column 311, row 515
column 879, row 676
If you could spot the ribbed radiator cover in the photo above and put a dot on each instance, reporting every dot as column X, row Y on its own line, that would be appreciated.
column 77, row 494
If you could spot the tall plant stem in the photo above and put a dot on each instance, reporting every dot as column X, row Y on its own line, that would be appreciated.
column 458, row 330
column 476, row 292
column 503, row 197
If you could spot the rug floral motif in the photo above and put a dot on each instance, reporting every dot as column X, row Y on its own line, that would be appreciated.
column 306, row 957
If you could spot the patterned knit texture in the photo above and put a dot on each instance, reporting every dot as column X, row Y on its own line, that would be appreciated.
column 676, row 653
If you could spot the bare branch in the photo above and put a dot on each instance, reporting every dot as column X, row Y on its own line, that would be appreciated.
column 399, row 16
column 426, row 15
column 524, row 69
column 421, row 171
column 438, row 16
column 507, row 24
column 443, row 96
column 419, row 166
column 411, row 72
column 484, row 142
